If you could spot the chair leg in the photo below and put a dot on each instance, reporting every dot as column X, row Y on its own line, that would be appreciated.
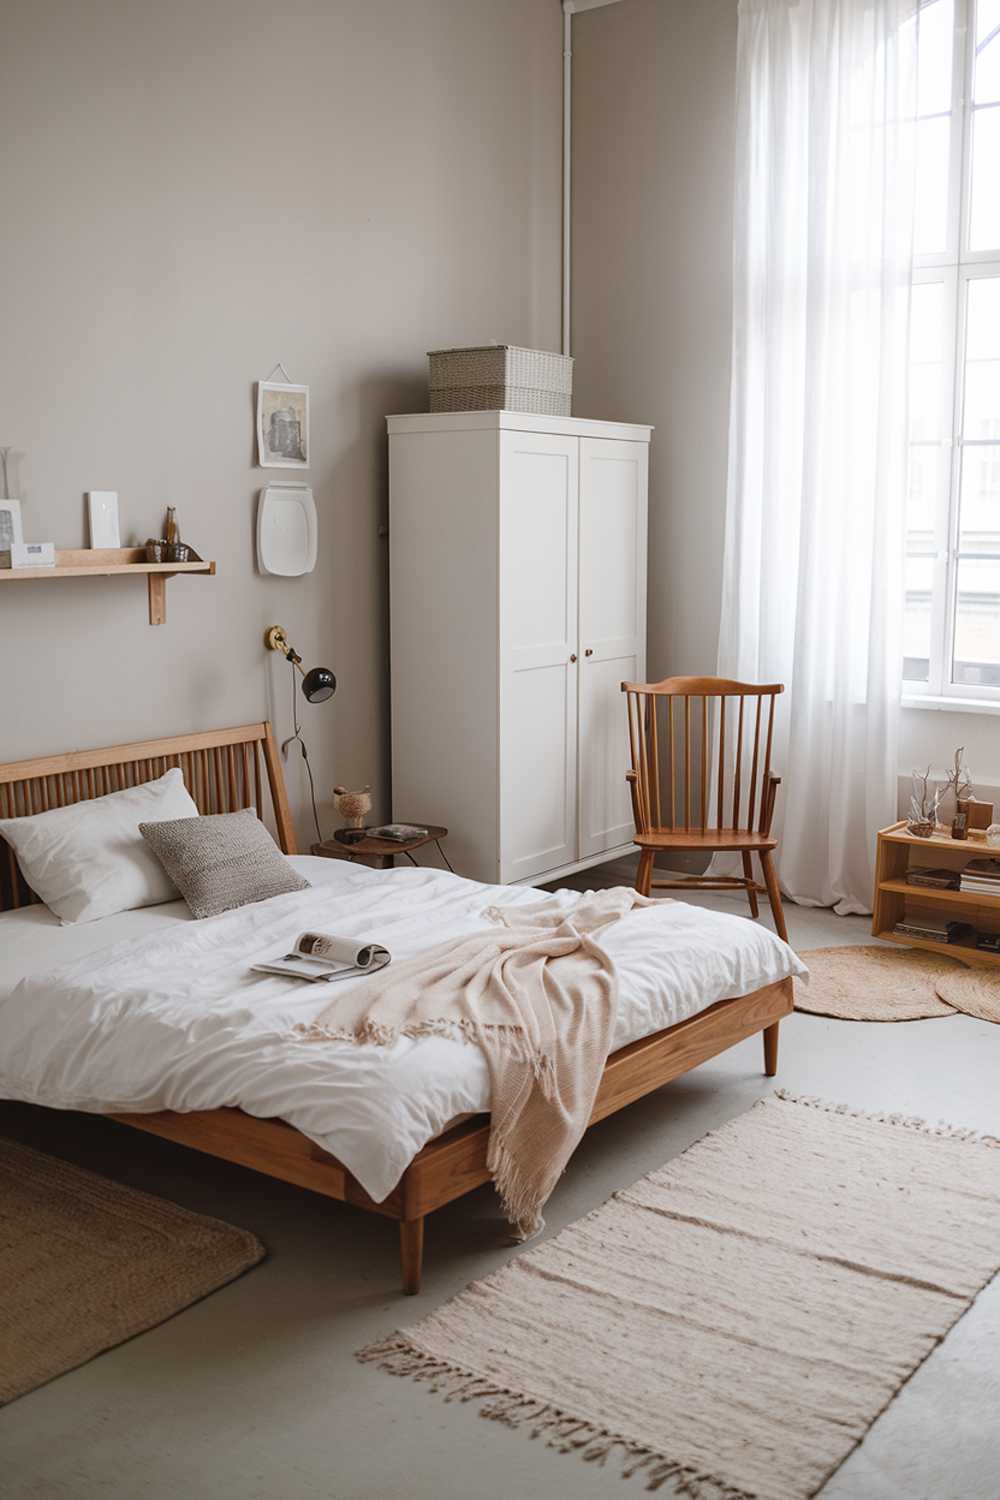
column 771, row 1049
column 647, row 867
column 751, row 893
column 774, row 894
column 644, row 874
column 411, row 1253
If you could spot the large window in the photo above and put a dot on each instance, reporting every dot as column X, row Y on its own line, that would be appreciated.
column 951, row 637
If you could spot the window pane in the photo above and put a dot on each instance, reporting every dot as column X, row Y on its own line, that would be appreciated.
column 937, row 26
column 919, row 583
column 931, row 228
column 927, row 323
column 927, row 309
column 980, row 516
column 977, row 624
column 984, row 227
column 987, row 80
column 925, row 494
column 981, row 417
column 928, row 472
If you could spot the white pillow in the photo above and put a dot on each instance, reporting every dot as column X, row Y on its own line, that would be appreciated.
column 89, row 860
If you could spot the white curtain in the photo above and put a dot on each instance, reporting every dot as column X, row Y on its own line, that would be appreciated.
column 812, row 592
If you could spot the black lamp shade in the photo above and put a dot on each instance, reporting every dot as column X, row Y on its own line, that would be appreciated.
column 319, row 684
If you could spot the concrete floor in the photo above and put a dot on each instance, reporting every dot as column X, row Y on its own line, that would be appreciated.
column 254, row 1393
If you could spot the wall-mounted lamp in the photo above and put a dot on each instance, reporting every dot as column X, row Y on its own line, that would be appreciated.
column 318, row 683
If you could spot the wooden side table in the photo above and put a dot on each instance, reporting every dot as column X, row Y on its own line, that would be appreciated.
column 380, row 853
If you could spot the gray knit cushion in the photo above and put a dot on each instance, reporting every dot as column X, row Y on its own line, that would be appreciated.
column 221, row 861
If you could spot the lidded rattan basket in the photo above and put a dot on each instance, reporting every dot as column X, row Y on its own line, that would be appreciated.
column 501, row 377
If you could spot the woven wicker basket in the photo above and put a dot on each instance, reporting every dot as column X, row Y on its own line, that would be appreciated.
column 501, row 377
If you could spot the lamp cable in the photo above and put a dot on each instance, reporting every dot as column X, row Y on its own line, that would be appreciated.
column 297, row 737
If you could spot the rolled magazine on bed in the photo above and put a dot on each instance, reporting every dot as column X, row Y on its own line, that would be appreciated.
column 320, row 957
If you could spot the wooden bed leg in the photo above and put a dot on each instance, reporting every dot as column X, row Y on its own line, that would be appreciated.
column 751, row 893
column 771, row 1049
column 411, row 1253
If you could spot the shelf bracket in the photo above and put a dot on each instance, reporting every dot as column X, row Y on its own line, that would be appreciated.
column 158, row 597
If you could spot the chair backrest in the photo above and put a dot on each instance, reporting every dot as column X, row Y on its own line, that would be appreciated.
column 222, row 771
column 673, row 793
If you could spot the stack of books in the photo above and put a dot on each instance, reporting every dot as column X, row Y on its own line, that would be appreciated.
column 398, row 833
column 938, row 880
column 922, row 927
column 981, row 877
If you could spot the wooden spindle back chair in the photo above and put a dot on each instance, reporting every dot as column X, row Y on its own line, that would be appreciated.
column 687, row 799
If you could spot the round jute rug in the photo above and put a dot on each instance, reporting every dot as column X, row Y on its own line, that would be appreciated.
column 872, row 983
column 975, row 992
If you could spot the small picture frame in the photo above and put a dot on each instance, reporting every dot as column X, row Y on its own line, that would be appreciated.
column 282, row 425
column 102, row 510
column 979, row 815
column 11, row 534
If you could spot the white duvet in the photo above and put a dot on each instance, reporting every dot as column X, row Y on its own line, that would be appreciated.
column 167, row 1016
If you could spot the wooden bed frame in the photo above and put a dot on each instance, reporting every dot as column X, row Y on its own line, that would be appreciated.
column 227, row 769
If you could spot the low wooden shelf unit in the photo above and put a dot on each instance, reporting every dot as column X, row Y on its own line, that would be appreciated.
column 111, row 562
column 895, row 899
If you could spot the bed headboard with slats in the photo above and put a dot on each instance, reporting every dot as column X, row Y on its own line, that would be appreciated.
column 224, row 769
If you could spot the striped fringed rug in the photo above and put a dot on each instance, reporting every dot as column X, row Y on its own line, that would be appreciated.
column 736, row 1320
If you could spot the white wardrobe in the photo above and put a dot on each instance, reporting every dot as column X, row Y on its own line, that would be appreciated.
column 517, row 554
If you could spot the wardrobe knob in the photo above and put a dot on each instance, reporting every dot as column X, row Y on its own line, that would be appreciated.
column 573, row 656
column 588, row 652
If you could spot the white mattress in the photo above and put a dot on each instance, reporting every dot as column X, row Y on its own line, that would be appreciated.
column 169, row 1018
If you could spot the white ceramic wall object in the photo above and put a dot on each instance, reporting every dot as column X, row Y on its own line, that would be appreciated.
column 287, row 530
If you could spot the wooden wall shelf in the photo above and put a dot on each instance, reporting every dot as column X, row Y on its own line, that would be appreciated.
column 895, row 898
column 113, row 562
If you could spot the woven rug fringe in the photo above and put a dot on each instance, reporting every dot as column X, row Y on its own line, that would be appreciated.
column 906, row 1122
column 560, row 1430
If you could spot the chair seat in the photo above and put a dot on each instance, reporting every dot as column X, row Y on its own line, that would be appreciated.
column 713, row 838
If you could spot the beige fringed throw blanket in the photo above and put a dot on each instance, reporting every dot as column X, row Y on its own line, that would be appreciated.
column 539, row 996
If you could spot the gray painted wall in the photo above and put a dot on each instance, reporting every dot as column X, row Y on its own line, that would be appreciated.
column 191, row 192
column 652, row 250
column 653, row 137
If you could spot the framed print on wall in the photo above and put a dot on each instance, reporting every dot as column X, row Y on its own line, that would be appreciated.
column 282, row 425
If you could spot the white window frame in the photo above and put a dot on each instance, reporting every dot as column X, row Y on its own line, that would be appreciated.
column 956, row 266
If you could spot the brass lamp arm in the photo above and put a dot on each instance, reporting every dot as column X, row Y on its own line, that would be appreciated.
column 275, row 639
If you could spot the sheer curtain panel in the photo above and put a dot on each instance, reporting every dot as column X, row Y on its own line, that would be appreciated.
column 813, row 571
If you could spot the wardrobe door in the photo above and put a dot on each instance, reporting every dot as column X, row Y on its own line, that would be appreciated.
column 538, row 652
column 613, row 479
